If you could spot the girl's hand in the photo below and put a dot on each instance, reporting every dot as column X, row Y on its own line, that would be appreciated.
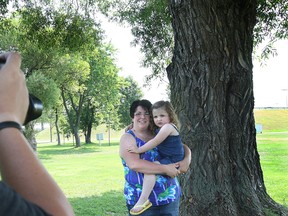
column 133, row 149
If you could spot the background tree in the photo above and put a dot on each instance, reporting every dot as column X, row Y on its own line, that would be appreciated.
column 272, row 22
column 71, row 74
column 130, row 91
column 102, row 89
column 46, row 35
column 19, row 32
column 46, row 89
column 15, row 36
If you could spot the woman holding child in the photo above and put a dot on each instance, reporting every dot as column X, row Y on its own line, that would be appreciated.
column 165, row 196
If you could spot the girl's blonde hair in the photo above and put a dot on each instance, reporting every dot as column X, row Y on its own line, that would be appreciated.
column 169, row 109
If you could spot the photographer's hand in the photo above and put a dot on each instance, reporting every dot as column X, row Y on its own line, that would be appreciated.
column 19, row 166
column 13, row 90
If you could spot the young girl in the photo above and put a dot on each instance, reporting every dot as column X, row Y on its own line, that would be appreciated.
column 169, row 146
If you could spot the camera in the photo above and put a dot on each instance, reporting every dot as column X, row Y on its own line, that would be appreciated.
column 35, row 104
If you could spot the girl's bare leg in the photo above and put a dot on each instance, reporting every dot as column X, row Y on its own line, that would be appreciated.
column 148, row 184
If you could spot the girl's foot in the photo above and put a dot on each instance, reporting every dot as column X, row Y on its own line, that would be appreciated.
column 138, row 209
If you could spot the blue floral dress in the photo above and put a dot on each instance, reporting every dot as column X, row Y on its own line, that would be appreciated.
column 166, row 189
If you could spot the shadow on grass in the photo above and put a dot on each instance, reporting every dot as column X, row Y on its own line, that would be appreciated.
column 109, row 203
column 44, row 150
column 67, row 150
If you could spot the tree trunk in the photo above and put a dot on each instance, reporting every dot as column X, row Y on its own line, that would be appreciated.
column 88, row 133
column 30, row 136
column 57, row 127
column 51, row 133
column 90, row 117
column 77, row 138
column 73, row 118
column 212, row 91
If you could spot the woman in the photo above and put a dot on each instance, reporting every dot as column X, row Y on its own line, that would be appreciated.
column 166, row 192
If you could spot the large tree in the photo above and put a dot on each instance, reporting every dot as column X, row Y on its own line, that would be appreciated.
column 212, row 87
column 211, row 80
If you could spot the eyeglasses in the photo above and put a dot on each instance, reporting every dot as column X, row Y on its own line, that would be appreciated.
column 138, row 114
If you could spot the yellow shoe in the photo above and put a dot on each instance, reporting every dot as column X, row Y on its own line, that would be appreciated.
column 144, row 207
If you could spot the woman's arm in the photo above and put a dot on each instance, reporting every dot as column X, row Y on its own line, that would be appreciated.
column 137, row 164
column 184, row 164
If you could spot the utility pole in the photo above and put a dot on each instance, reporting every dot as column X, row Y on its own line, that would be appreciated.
column 285, row 90
column 109, row 127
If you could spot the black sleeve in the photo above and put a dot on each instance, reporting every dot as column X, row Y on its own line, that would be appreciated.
column 12, row 204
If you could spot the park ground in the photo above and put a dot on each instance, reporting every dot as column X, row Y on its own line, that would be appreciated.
column 92, row 176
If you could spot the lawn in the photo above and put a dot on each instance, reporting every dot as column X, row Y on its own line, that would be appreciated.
column 92, row 175
column 272, row 120
column 273, row 150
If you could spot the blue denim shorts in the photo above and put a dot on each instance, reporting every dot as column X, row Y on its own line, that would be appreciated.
column 171, row 209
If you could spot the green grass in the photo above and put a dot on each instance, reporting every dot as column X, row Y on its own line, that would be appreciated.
column 273, row 150
column 272, row 120
column 91, row 176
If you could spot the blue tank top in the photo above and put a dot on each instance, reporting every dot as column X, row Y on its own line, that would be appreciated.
column 171, row 149
column 166, row 189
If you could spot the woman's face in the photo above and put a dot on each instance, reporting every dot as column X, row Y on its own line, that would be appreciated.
column 141, row 118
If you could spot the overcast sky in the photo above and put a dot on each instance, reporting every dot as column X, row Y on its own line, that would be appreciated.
column 270, row 81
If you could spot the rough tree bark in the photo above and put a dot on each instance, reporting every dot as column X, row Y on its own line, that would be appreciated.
column 212, row 91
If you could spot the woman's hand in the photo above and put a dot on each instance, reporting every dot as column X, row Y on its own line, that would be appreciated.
column 184, row 164
column 172, row 170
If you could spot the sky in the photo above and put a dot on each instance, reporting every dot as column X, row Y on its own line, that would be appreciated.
column 270, row 81
column 129, row 60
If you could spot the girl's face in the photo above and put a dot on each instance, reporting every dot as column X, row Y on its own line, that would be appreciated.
column 160, row 117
